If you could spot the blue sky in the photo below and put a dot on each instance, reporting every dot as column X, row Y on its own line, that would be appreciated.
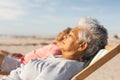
column 48, row 17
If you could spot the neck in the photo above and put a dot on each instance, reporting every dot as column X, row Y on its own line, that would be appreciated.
column 72, row 56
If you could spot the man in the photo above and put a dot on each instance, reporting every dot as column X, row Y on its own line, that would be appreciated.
column 82, row 43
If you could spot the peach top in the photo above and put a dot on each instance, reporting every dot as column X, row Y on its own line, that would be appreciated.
column 43, row 52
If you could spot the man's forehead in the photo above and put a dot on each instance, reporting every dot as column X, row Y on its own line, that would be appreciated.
column 79, row 28
column 76, row 29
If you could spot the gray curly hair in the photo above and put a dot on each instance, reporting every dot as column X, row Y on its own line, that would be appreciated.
column 96, row 36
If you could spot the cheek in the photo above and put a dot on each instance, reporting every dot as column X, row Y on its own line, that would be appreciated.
column 70, row 46
column 74, row 46
column 65, row 46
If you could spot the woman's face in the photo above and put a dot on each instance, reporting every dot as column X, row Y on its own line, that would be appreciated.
column 61, row 35
column 68, row 42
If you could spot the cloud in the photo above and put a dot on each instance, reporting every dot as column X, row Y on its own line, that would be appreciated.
column 78, row 8
column 9, row 14
column 11, row 9
column 43, row 5
column 90, row 0
column 15, row 9
column 39, row 1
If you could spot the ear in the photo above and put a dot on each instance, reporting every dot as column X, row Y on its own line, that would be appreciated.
column 83, row 46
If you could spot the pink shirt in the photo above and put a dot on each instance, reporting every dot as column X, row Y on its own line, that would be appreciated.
column 44, row 52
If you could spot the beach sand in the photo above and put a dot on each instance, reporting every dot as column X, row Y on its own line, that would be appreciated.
column 15, row 44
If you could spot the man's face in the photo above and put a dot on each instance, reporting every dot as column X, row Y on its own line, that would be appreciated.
column 69, row 41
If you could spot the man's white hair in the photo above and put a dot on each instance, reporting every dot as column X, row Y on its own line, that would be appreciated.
column 84, row 21
column 95, row 35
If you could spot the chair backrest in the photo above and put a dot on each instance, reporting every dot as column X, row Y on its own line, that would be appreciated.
column 99, row 55
column 94, row 65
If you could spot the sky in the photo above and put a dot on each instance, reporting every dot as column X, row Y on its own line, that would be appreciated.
column 49, row 17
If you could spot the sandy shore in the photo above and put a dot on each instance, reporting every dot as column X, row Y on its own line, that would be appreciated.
column 109, row 71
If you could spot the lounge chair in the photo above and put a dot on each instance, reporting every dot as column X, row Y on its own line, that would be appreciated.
column 95, row 64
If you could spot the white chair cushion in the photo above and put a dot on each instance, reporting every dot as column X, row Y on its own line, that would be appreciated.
column 100, row 54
